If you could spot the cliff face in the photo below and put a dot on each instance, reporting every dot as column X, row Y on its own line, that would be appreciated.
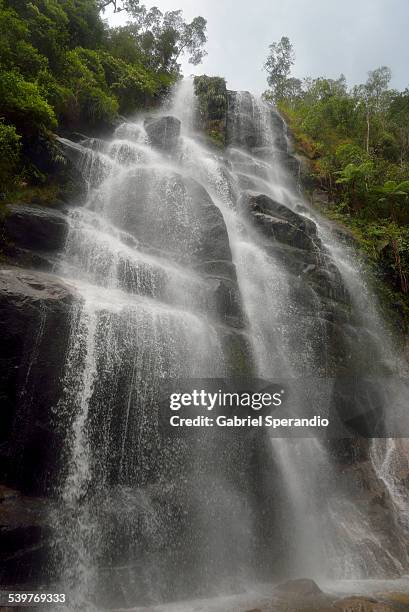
column 179, row 223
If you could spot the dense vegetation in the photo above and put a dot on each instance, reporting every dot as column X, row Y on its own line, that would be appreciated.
column 211, row 93
column 63, row 69
column 357, row 140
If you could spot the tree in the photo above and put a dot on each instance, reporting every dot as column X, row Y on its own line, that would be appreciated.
column 10, row 146
column 163, row 38
column 373, row 96
column 398, row 115
column 117, row 5
column 278, row 67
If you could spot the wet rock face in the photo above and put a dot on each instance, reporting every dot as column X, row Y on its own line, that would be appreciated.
column 163, row 133
column 316, row 290
column 171, row 214
column 35, row 312
column 35, row 228
column 175, row 217
column 280, row 223
column 240, row 113
column 24, row 537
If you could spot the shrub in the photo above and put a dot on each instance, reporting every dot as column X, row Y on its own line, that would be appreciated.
column 10, row 147
column 22, row 103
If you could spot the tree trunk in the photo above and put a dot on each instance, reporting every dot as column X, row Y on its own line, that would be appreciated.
column 368, row 130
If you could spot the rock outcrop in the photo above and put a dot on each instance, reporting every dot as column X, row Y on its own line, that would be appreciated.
column 163, row 132
column 304, row 595
column 35, row 312
column 280, row 223
column 33, row 235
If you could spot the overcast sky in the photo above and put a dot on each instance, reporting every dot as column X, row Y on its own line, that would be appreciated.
column 329, row 37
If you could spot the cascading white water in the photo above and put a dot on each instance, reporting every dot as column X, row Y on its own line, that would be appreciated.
column 273, row 318
column 139, row 255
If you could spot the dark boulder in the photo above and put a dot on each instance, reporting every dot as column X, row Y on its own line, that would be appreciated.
column 35, row 228
column 35, row 310
column 280, row 222
column 284, row 231
column 302, row 595
column 262, row 203
column 163, row 132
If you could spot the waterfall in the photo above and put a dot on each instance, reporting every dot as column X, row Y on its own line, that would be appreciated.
column 182, row 271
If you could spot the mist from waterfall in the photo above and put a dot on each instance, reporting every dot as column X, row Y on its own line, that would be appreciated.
column 137, row 255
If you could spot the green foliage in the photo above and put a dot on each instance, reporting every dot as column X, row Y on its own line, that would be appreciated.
column 15, row 47
column 10, row 147
column 22, row 104
column 88, row 100
column 357, row 141
column 278, row 65
column 396, row 196
column 212, row 96
column 63, row 68
column 160, row 39
column 132, row 84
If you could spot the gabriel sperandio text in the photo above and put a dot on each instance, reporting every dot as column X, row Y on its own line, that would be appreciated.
column 235, row 421
column 218, row 400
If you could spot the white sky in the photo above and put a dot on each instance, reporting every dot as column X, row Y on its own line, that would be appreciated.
column 329, row 37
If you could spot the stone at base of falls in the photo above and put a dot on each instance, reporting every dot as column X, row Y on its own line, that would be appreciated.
column 35, row 310
column 362, row 604
column 304, row 595
column 24, row 537
column 164, row 132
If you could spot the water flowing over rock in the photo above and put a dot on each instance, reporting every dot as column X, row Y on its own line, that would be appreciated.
column 186, row 262
column 163, row 132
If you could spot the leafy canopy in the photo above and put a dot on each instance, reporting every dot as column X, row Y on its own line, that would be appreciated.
column 62, row 67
